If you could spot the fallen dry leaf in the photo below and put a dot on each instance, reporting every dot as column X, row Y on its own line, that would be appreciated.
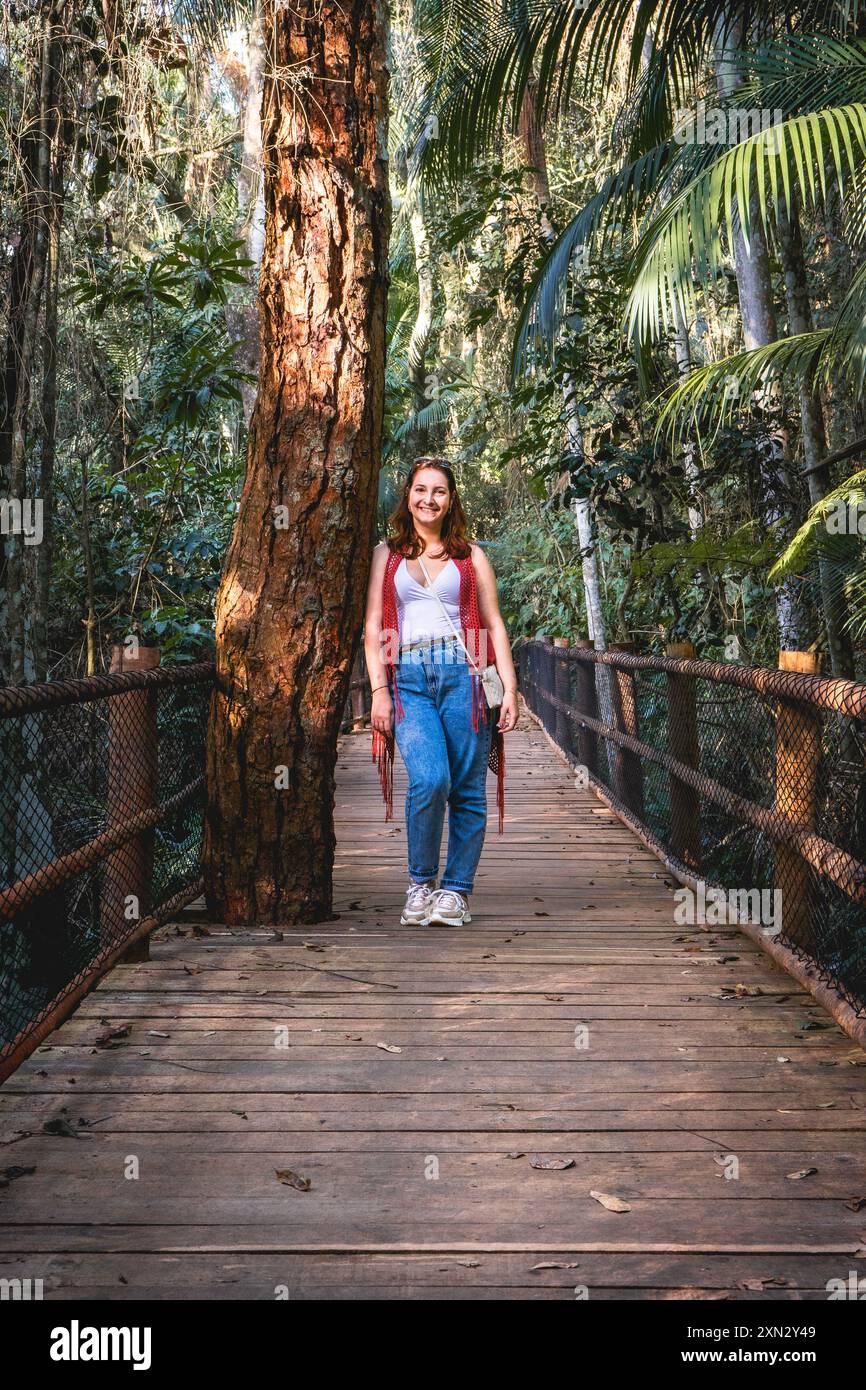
column 8, row 1175
column 290, row 1179
column 554, row 1161
column 801, row 1173
column 856, row 1203
column 609, row 1202
column 111, row 1036
column 773, row 1281
column 59, row 1126
column 553, row 1264
column 389, row 1047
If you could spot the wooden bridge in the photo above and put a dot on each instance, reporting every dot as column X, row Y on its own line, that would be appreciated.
column 572, row 1097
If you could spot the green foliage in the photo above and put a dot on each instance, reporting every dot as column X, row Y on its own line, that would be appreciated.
column 538, row 569
column 835, row 526
column 743, row 551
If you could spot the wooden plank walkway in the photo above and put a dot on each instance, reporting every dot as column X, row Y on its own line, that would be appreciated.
column 412, row 1074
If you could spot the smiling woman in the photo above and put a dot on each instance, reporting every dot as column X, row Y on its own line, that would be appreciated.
column 433, row 624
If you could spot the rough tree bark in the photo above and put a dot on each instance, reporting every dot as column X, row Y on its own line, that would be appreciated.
column 290, row 603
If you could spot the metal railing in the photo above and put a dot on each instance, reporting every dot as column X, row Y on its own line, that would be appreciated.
column 746, row 780
column 101, row 812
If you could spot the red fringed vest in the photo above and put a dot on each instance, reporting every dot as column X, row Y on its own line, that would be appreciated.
column 470, row 621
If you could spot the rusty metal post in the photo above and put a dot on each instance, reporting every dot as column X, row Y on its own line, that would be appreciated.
column 627, row 770
column 683, row 744
column 562, row 690
column 587, row 703
column 127, row 877
column 798, row 758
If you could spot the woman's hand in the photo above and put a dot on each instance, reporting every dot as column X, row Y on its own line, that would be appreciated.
column 508, row 711
column 382, row 713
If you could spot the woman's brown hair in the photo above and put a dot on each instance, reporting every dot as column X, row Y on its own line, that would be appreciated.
column 404, row 539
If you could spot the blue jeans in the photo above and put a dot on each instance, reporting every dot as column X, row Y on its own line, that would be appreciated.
column 446, row 760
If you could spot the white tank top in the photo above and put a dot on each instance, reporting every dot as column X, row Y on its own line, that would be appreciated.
column 418, row 611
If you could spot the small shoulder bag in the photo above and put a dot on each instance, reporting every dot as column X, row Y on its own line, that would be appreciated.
column 491, row 681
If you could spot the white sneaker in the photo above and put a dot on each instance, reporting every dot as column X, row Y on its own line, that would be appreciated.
column 418, row 897
column 447, row 908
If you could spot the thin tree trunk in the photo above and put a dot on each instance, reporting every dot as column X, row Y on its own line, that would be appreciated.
column 251, row 207
column 535, row 154
column 683, row 354
column 291, row 600
column 45, row 551
column 423, row 325
column 22, row 337
column 758, row 314
column 90, row 620
column 813, row 433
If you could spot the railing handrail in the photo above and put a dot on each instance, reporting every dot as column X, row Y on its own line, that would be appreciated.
column 840, row 696
column 780, row 821
column 841, row 868
column 30, row 699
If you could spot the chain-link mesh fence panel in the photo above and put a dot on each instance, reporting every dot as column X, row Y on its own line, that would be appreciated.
column 101, row 813
column 751, row 781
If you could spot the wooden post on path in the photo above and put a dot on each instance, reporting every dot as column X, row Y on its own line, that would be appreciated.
column 127, row 875
column 798, row 759
column 683, row 745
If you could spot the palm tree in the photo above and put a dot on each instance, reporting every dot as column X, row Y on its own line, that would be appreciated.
column 695, row 208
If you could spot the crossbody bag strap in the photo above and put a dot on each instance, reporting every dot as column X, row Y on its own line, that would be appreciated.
column 448, row 617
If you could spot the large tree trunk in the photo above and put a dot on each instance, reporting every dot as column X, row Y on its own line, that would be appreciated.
column 291, row 600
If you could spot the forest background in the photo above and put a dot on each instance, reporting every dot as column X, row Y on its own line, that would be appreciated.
column 627, row 301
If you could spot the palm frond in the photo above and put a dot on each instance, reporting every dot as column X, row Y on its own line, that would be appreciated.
column 713, row 395
column 827, row 529
column 614, row 206
column 805, row 72
column 479, row 57
column 436, row 413
column 747, row 181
